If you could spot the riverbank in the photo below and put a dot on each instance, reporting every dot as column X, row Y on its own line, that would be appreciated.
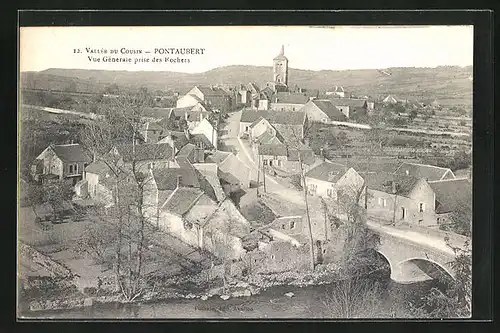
column 195, row 288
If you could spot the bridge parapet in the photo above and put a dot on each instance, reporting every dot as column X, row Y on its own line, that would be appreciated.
column 414, row 257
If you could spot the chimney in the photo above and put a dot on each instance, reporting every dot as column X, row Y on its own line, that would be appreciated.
column 393, row 183
column 179, row 179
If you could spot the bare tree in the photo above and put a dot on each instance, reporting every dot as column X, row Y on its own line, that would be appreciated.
column 125, row 221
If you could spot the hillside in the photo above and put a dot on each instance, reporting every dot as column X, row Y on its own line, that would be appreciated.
column 441, row 83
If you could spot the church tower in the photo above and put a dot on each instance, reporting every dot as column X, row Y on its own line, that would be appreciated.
column 280, row 68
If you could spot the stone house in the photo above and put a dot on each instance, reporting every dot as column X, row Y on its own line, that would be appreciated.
column 397, row 198
column 452, row 196
column 428, row 172
column 61, row 162
column 144, row 156
column 251, row 118
column 290, row 101
column 352, row 108
column 99, row 182
column 279, row 158
column 175, row 203
column 193, row 115
column 328, row 178
column 337, row 91
column 323, row 111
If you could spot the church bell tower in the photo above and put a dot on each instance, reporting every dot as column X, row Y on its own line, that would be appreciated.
column 280, row 68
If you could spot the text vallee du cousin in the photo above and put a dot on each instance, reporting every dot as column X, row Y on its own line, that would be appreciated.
column 138, row 56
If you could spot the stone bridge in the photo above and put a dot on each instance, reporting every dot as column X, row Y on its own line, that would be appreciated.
column 414, row 256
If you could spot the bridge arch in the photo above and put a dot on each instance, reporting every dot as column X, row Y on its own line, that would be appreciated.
column 430, row 267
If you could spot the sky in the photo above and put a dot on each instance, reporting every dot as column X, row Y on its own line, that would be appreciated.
column 312, row 48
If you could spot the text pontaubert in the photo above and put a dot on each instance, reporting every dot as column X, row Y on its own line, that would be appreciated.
column 183, row 51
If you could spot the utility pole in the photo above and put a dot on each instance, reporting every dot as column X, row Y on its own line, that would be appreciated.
column 264, row 177
column 311, row 244
column 258, row 171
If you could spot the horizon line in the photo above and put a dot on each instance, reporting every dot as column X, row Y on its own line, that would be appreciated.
column 215, row 68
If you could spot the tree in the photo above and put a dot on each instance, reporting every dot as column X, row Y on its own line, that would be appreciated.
column 455, row 300
column 123, row 224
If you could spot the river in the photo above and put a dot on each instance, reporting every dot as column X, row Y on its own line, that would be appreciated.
column 306, row 303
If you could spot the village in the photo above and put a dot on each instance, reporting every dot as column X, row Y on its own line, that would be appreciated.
column 241, row 184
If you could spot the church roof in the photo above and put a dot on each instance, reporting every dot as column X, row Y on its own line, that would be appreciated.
column 281, row 56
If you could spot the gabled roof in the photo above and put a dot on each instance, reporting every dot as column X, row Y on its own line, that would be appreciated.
column 273, row 150
column 186, row 150
column 351, row 102
column 306, row 155
column 156, row 112
column 182, row 199
column 71, row 153
column 212, row 91
column 382, row 181
column 428, row 172
column 98, row 167
column 166, row 179
column 329, row 109
column 327, row 171
column 218, row 156
column 145, row 152
column 274, row 117
column 290, row 97
column 451, row 194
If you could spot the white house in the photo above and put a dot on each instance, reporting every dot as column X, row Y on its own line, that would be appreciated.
column 328, row 178
column 205, row 127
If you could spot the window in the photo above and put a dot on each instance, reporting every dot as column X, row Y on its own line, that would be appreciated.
column 246, row 128
column 403, row 213
column 265, row 162
column 292, row 225
column 384, row 202
column 283, row 226
column 421, row 207
column 278, row 162
column 329, row 192
column 73, row 168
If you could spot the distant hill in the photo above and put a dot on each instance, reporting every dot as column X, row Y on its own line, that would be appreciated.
column 447, row 83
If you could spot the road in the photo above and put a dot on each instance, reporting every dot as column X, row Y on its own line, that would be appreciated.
column 231, row 140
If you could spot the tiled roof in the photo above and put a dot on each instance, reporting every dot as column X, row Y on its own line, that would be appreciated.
column 452, row 194
column 218, row 156
column 186, row 150
column 166, row 179
column 197, row 139
column 289, row 134
column 290, row 97
column 273, row 150
column 98, row 167
column 182, row 199
column 156, row 112
column 327, row 171
column 212, row 91
column 71, row 153
column 274, row 117
column 428, row 172
column 306, row 155
column 329, row 109
column 352, row 102
column 382, row 181
column 144, row 152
